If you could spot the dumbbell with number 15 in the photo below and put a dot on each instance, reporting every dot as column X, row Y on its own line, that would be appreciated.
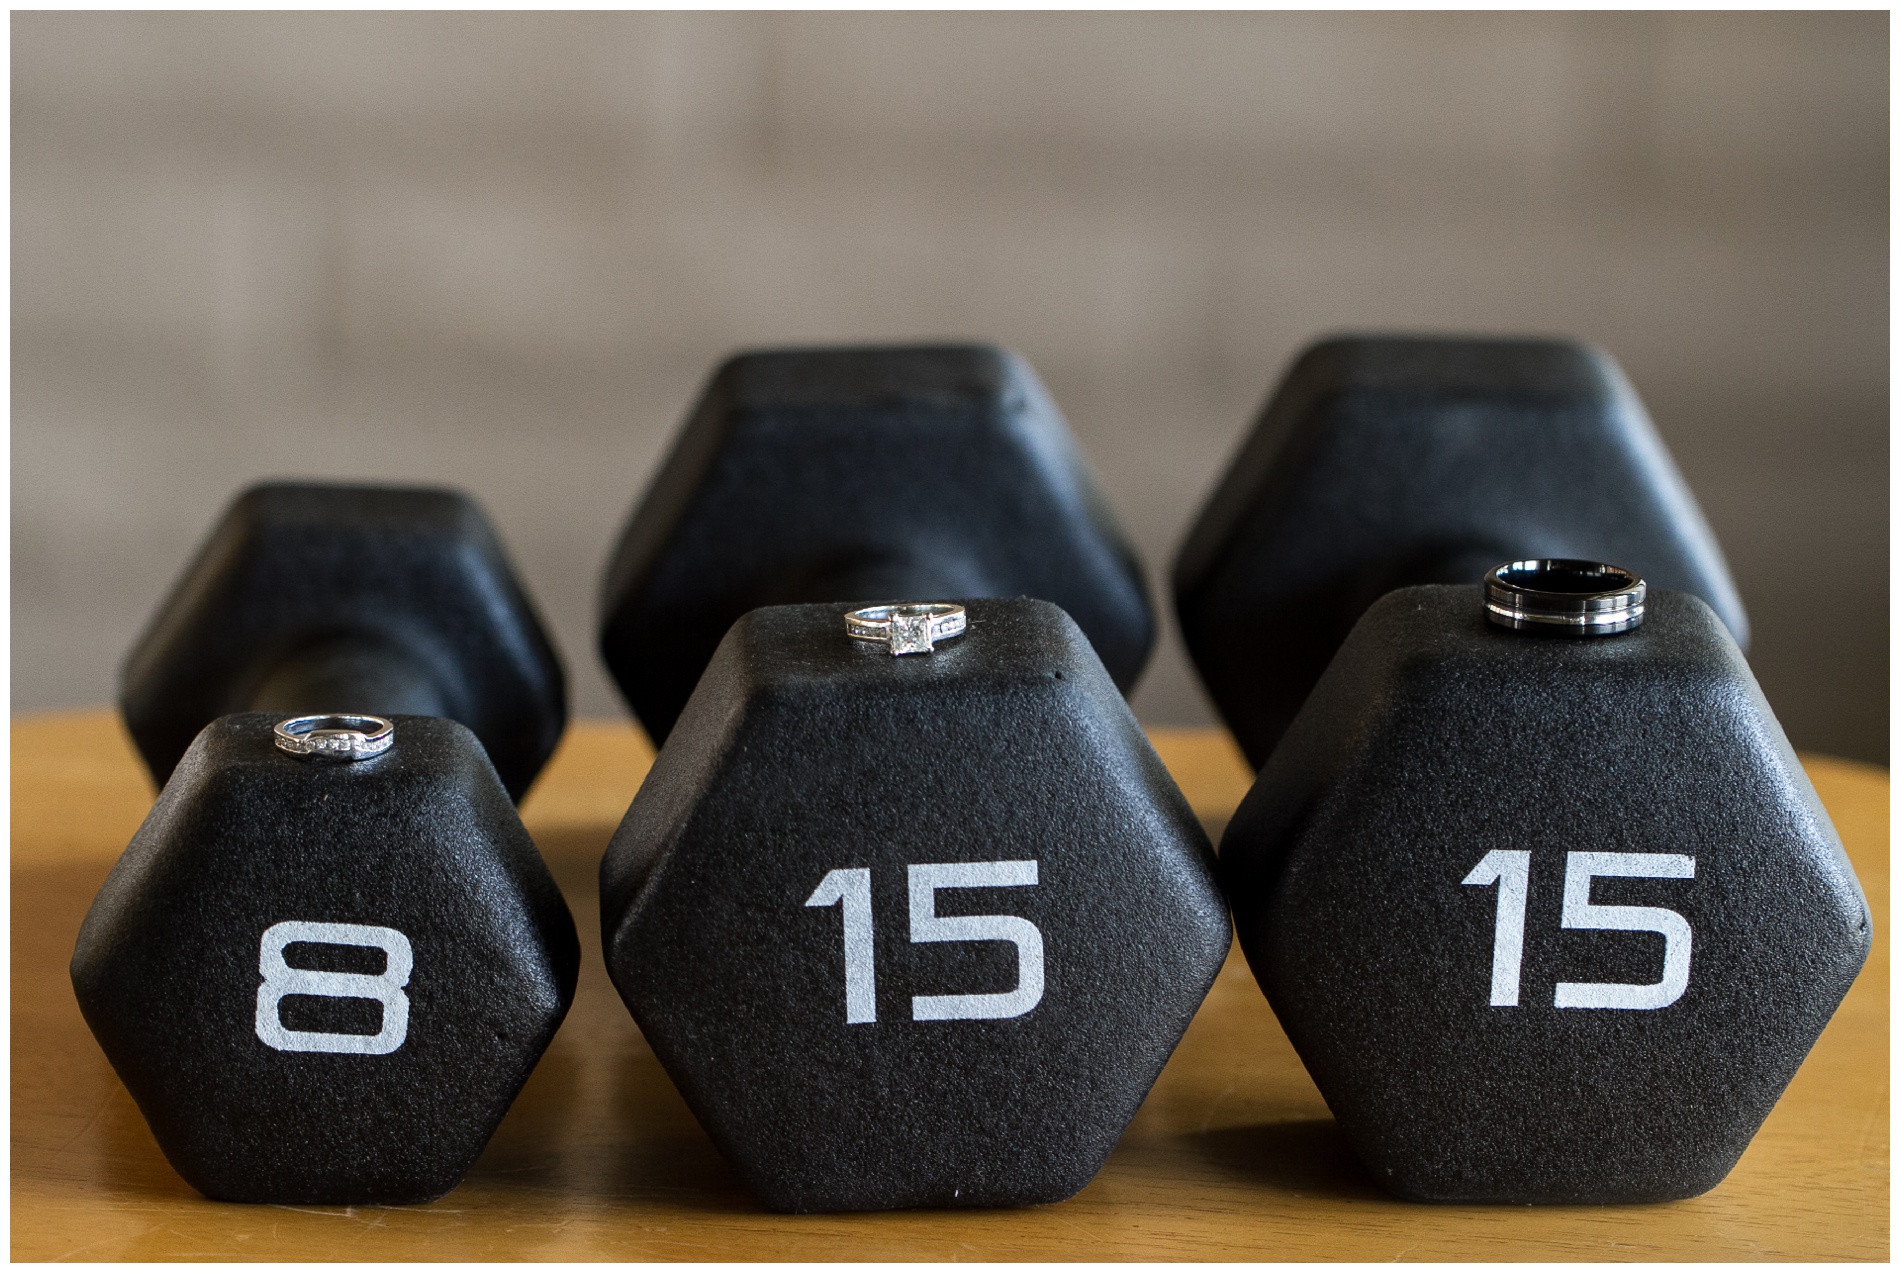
column 911, row 919
column 1540, row 893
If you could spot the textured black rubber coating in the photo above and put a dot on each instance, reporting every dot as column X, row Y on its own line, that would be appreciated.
column 863, row 474
column 1432, row 740
column 312, row 597
column 423, row 840
column 1382, row 462
column 804, row 751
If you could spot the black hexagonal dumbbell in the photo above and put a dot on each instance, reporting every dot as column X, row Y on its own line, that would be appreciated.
column 913, row 931
column 866, row 474
column 321, row 598
column 1383, row 462
column 1549, row 920
column 324, row 975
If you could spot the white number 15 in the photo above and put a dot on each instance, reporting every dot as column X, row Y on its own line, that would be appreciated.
column 1510, row 870
column 850, row 888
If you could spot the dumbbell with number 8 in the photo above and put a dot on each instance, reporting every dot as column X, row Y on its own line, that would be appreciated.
column 331, row 955
column 911, row 931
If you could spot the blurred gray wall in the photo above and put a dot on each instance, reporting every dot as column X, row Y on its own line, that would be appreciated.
column 502, row 251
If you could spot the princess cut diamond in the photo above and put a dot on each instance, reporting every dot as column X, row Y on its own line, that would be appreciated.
column 910, row 634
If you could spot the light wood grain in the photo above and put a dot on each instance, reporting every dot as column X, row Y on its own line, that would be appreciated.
column 1232, row 1157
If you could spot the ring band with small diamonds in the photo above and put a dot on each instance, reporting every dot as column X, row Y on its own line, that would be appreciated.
column 335, row 737
column 913, row 628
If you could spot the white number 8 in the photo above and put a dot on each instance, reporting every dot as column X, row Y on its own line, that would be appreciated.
column 281, row 979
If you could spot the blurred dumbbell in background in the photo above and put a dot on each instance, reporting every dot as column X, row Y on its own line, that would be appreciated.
column 321, row 597
column 1385, row 461
column 862, row 474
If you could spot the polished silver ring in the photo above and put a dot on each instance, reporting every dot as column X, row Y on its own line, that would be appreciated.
column 335, row 737
column 913, row 628
column 1564, row 597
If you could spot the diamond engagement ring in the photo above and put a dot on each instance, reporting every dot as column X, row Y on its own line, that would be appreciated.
column 914, row 628
column 335, row 737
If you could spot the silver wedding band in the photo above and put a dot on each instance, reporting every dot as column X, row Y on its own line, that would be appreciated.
column 913, row 628
column 337, row 737
column 1564, row 597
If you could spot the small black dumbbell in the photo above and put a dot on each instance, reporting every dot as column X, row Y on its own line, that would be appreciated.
column 323, row 598
column 1549, row 920
column 1383, row 462
column 862, row 474
column 911, row 931
column 331, row 955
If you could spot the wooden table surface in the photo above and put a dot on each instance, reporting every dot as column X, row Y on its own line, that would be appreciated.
column 1233, row 1156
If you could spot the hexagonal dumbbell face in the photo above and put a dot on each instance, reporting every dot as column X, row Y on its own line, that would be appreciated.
column 325, row 983
column 913, row 931
column 1383, row 462
column 311, row 597
column 865, row 474
column 1548, row 920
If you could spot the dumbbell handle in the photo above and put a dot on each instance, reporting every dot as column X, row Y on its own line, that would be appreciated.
column 355, row 674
